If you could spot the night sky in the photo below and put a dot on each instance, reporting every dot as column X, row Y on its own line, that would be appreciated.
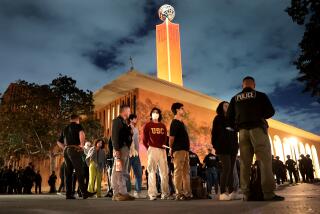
column 222, row 41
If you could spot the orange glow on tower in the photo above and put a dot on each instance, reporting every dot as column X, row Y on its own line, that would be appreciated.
column 168, row 52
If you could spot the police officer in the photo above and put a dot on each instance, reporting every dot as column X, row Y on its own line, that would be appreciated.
column 302, row 167
column 309, row 169
column 210, row 163
column 72, row 141
column 279, row 170
column 194, row 163
column 291, row 167
column 248, row 111
column 38, row 181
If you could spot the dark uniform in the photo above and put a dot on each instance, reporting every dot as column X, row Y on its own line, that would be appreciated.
column 52, row 182
column 194, row 163
column 248, row 112
column 38, row 181
column 73, row 158
column 309, row 169
column 28, row 179
column 211, row 163
column 302, row 167
column 291, row 167
column 278, row 167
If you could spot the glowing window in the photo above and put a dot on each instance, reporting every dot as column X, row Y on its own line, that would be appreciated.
column 278, row 147
column 315, row 161
column 302, row 150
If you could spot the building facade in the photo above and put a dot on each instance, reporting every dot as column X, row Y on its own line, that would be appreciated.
column 143, row 92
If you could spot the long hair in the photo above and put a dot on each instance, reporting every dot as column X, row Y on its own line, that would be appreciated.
column 96, row 141
column 220, row 108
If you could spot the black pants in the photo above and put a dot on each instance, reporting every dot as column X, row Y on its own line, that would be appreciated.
column 309, row 175
column 38, row 187
column 293, row 172
column 73, row 160
column 279, row 178
column 226, row 177
column 303, row 175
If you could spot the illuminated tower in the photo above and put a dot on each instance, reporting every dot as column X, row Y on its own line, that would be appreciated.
column 168, row 47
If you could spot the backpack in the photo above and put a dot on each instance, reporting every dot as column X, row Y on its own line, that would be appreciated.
column 256, row 193
column 198, row 189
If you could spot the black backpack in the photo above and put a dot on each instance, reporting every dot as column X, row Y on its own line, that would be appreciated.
column 256, row 193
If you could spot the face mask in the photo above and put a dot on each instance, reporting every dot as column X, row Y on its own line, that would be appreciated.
column 155, row 116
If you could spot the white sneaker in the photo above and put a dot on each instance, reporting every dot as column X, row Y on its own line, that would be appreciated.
column 224, row 197
column 235, row 196
column 152, row 198
column 167, row 197
column 138, row 195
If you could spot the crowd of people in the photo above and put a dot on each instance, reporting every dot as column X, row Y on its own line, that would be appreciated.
column 173, row 171
column 19, row 180
column 291, row 167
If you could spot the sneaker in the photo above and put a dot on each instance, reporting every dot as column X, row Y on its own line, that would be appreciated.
column 167, row 197
column 276, row 198
column 235, row 196
column 129, row 197
column 180, row 198
column 138, row 195
column 115, row 197
column 88, row 195
column 152, row 198
column 224, row 197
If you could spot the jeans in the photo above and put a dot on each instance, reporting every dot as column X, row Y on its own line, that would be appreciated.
column 137, row 170
column 212, row 178
column 119, row 179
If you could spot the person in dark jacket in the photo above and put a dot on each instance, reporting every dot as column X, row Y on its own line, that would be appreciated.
column 309, row 169
column 248, row 112
column 302, row 167
column 279, row 170
column 291, row 167
column 121, row 142
column 211, row 164
column 38, row 181
column 194, row 163
column 52, row 182
column 225, row 142
column 28, row 178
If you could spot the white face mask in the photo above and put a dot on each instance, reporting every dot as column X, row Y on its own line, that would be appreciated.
column 155, row 116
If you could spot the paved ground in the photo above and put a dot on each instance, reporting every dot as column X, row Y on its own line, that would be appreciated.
column 303, row 198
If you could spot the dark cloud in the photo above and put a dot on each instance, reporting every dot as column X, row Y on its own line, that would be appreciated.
column 92, row 41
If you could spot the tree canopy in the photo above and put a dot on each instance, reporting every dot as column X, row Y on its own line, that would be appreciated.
column 307, row 13
column 33, row 115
